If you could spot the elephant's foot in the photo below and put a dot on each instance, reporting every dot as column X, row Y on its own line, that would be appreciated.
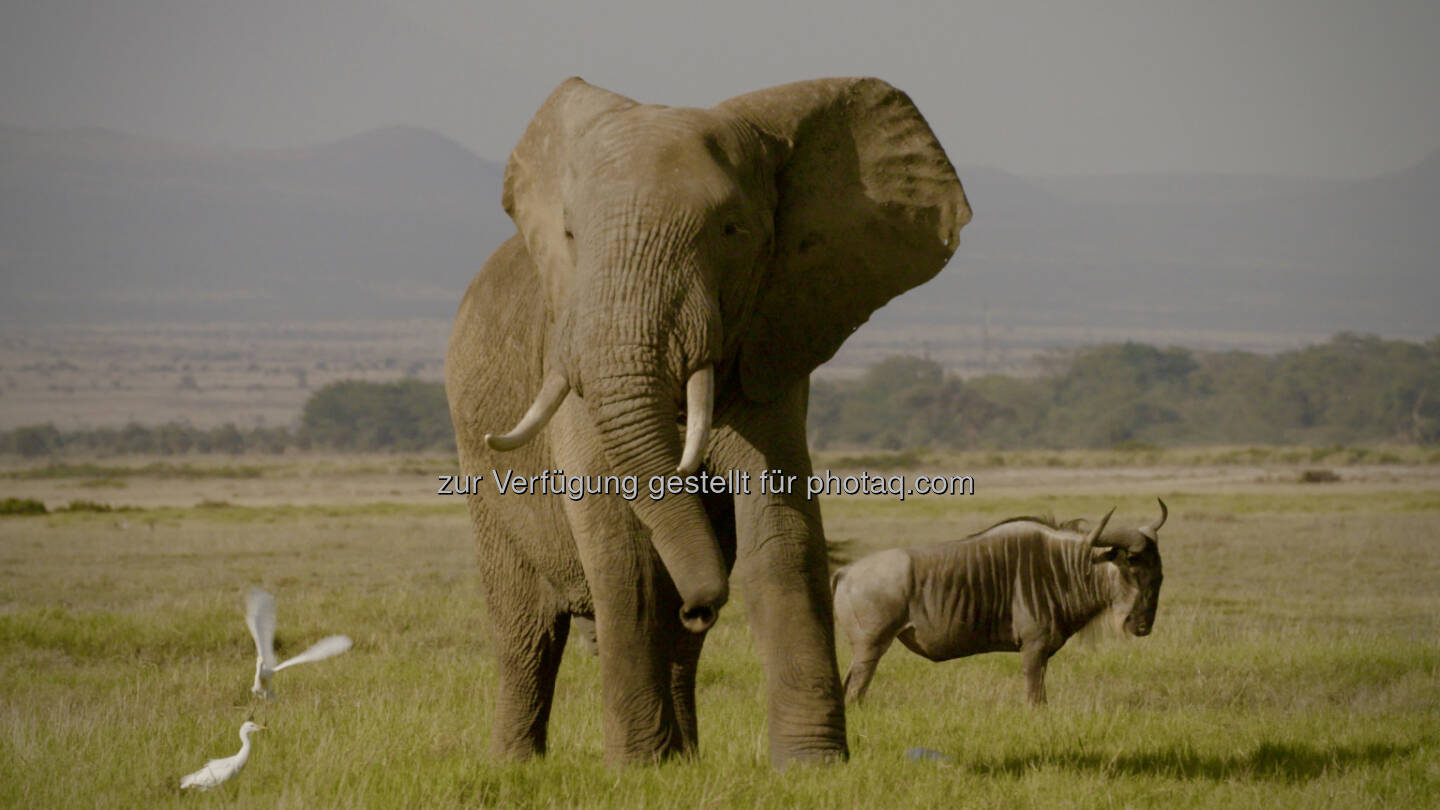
column 645, row 752
column 816, row 737
column 522, row 715
column 823, row 755
column 640, row 725
column 515, row 748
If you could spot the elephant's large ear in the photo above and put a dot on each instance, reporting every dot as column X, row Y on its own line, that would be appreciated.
column 868, row 206
column 535, row 176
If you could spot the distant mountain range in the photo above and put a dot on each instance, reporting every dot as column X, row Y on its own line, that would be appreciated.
column 1196, row 252
column 96, row 225
column 100, row 226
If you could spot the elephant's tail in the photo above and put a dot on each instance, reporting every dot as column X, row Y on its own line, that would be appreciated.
column 835, row 579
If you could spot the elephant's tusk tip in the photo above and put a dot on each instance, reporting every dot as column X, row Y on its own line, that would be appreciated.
column 552, row 394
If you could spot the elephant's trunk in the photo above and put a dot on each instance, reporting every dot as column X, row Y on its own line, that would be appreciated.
column 635, row 410
column 646, row 322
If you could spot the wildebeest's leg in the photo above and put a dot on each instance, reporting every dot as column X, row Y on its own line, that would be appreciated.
column 865, row 654
column 871, row 607
column 1033, row 657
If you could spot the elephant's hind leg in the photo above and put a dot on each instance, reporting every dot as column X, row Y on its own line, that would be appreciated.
column 529, row 632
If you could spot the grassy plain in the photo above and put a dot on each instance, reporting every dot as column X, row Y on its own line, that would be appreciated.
column 1295, row 663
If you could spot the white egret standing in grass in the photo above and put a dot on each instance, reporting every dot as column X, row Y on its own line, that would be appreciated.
column 218, row 770
column 260, row 618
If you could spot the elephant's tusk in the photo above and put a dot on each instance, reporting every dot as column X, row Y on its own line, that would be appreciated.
column 552, row 393
column 699, row 407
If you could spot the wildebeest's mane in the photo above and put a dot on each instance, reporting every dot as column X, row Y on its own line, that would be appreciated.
column 1048, row 521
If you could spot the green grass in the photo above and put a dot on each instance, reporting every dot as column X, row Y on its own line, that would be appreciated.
column 1295, row 663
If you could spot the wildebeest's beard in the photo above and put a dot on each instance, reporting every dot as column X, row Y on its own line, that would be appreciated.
column 1111, row 622
column 1135, row 555
column 1145, row 571
column 1133, row 581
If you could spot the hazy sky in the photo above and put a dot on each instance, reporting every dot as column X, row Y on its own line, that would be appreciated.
column 1311, row 87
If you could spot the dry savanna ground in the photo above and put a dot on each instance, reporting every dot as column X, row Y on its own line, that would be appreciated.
column 1295, row 663
column 205, row 374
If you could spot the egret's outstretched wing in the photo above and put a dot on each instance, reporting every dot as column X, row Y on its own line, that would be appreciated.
column 260, row 618
column 327, row 647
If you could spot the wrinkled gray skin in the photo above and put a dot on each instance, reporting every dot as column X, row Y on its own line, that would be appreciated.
column 654, row 244
column 1022, row 585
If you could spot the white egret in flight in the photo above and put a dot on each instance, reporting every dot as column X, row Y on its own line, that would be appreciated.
column 260, row 618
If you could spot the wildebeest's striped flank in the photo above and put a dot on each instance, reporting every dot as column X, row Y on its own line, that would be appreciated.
column 1025, row 584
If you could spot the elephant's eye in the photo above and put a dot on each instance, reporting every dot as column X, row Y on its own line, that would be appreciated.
column 731, row 229
column 569, row 235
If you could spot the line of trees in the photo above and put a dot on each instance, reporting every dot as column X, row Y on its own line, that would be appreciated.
column 408, row 415
column 169, row 439
column 1351, row 389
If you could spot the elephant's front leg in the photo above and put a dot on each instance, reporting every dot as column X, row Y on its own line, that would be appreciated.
column 684, row 646
column 529, row 630
column 684, row 653
column 782, row 569
column 632, row 598
column 640, row 722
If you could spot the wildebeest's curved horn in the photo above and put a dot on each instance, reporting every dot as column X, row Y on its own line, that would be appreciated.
column 552, row 393
column 1099, row 527
column 1150, row 530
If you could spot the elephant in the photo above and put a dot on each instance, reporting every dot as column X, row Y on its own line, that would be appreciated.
column 675, row 276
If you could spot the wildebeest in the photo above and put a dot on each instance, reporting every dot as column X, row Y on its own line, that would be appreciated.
column 1023, row 585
